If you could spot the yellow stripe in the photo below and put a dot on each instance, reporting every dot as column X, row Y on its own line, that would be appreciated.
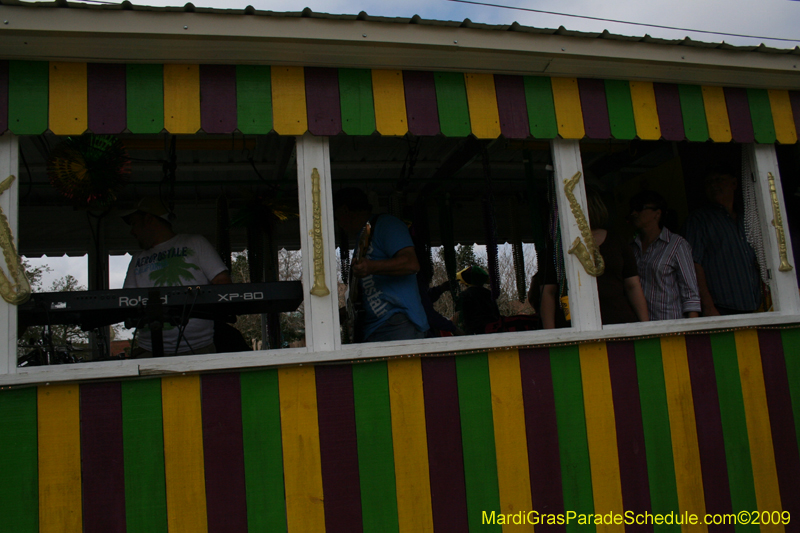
column 182, row 98
column 567, row 100
column 60, row 506
column 782, row 116
column 719, row 127
column 389, row 97
column 410, row 440
column 685, row 448
column 759, row 431
column 289, row 116
column 68, row 100
column 508, row 414
column 302, row 465
column 601, row 431
column 184, row 468
column 482, row 100
column 645, row 112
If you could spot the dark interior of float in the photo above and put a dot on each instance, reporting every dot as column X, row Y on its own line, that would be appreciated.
column 240, row 191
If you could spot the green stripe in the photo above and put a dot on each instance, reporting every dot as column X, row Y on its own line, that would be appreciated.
column 263, row 451
column 143, row 442
column 693, row 110
column 761, row 115
column 734, row 425
column 145, row 97
column 355, row 97
column 573, row 443
column 477, row 438
column 28, row 90
column 791, row 354
column 375, row 449
column 657, row 434
column 620, row 109
column 253, row 99
column 451, row 98
column 19, row 467
column 541, row 109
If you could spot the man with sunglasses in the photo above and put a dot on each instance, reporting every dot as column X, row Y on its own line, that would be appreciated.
column 664, row 259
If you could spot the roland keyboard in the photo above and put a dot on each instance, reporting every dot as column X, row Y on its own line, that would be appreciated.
column 93, row 309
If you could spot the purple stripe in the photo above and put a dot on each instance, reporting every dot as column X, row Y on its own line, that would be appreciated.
column 3, row 96
column 105, row 93
column 630, row 431
column 708, row 420
column 421, row 107
column 595, row 108
column 223, row 452
column 794, row 98
column 445, row 454
column 102, row 464
column 338, row 449
column 218, row 98
column 784, row 437
column 511, row 106
column 544, row 460
column 322, row 99
column 670, row 116
column 739, row 115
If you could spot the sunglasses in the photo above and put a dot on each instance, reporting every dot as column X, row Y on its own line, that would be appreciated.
column 642, row 207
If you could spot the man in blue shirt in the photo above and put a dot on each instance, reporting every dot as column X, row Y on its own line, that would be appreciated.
column 387, row 275
column 727, row 271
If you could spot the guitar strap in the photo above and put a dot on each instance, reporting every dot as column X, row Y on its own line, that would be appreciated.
column 372, row 221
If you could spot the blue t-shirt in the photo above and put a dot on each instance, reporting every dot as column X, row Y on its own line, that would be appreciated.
column 384, row 296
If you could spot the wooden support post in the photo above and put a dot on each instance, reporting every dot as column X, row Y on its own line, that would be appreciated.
column 783, row 284
column 584, row 304
column 9, row 165
column 318, row 244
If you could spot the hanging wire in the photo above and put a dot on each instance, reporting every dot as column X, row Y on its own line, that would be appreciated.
column 615, row 21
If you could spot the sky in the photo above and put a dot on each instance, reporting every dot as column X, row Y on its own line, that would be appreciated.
column 760, row 18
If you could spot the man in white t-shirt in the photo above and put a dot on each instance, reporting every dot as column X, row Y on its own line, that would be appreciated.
column 169, row 259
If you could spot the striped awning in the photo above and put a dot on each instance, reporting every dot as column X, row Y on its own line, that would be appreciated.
column 71, row 98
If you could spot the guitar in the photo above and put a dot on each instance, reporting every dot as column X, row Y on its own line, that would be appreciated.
column 356, row 313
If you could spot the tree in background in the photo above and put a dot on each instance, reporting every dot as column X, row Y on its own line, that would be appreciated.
column 292, row 324
column 60, row 336
column 469, row 255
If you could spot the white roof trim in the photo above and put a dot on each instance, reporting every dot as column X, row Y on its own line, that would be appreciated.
column 175, row 35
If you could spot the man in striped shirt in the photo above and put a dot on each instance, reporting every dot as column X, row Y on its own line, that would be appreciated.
column 664, row 259
column 727, row 271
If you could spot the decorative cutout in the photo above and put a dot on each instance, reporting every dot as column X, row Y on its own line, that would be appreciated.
column 19, row 291
column 588, row 254
column 319, row 288
column 777, row 221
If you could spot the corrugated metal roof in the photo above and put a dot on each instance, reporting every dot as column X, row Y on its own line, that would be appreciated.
column 416, row 19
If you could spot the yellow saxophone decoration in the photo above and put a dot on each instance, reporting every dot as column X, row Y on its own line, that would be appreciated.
column 777, row 221
column 319, row 288
column 588, row 254
column 18, row 292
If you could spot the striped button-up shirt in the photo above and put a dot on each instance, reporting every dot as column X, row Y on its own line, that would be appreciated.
column 719, row 245
column 666, row 271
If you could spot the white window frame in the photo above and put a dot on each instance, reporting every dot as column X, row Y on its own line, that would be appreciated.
column 9, row 202
column 321, row 312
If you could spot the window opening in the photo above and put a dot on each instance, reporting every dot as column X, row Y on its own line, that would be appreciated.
column 238, row 192
column 668, row 183
column 465, row 202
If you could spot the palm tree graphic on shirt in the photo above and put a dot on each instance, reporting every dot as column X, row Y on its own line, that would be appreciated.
column 175, row 269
